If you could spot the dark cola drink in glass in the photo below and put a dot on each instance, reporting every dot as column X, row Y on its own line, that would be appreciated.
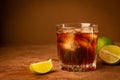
column 76, row 45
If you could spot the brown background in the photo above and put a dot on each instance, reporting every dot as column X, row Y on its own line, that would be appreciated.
column 34, row 21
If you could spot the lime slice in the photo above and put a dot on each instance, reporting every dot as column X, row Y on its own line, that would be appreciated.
column 103, row 41
column 110, row 54
column 41, row 67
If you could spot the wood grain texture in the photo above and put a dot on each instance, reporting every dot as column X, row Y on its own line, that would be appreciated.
column 15, row 60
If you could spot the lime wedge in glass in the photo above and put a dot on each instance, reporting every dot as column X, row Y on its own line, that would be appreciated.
column 41, row 67
column 110, row 54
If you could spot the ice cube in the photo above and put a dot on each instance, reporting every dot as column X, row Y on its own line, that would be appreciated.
column 77, row 30
column 69, row 42
column 87, row 30
column 95, row 36
column 84, row 43
column 68, row 30
column 85, row 24
column 90, row 36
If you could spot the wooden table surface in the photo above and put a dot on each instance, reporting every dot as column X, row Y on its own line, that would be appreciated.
column 15, row 60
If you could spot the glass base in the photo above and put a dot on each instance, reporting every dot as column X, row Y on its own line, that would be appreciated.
column 78, row 68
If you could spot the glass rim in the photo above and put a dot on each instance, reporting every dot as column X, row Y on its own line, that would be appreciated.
column 84, row 24
column 77, row 26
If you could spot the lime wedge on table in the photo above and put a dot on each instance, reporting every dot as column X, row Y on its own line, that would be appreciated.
column 110, row 54
column 41, row 67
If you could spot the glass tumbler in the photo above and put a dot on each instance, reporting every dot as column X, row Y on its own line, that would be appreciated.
column 76, row 46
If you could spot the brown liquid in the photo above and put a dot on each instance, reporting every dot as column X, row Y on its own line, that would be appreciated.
column 80, row 49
